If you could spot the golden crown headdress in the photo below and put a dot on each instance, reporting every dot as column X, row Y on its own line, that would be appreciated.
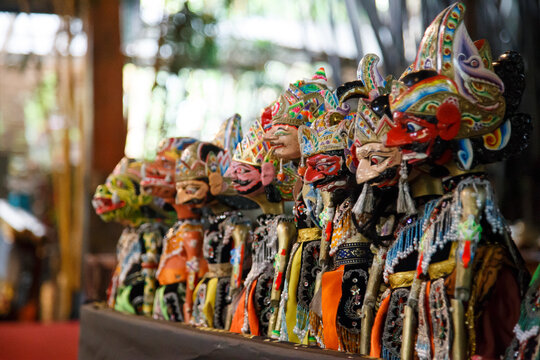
column 199, row 160
column 329, row 132
column 303, row 101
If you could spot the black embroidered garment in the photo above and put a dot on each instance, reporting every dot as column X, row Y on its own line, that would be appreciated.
column 393, row 326
column 263, row 290
column 222, row 302
column 217, row 247
column 353, row 289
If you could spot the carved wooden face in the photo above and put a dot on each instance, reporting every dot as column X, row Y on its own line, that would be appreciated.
column 426, row 113
column 417, row 135
column 326, row 171
column 158, row 178
column 377, row 164
column 283, row 140
column 119, row 199
column 194, row 192
column 246, row 178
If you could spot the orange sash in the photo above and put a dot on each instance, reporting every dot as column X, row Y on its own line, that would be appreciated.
column 253, row 319
column 238, row 317
column 331, row 294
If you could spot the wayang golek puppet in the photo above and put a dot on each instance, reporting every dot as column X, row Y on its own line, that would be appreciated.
column 121, row 199
column 377, row 173
column 300, row 104
column 226, row 233
column 159, row 181
column 253, row 173
column 200, row 182
column 454, row 112
column 335, row 316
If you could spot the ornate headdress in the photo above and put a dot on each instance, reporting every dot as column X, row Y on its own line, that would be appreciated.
column 252, row 149
column 199, row 160
column 369, row 126
column 329, row 132
column 303, row 101
column 466, row 77
column 229, row 134
column 172, row 147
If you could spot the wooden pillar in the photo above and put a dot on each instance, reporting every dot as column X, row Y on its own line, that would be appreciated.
column 109, row 130
column 108, row 126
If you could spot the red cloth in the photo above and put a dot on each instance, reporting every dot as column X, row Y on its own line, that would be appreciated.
column 56, row 341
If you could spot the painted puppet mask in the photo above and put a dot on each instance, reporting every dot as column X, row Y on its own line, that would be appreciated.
column 323, row 146
column 246, row 178
column 424, row 134
column 158, row 179
column 120, row 199
column 195, row 172
column 300, row 104
column 284, row 141
column 326, row 171
column 377, row 164
column 158, row 176
column 192, row 192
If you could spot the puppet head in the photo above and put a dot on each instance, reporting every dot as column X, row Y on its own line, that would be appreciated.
column 451, row 98
column 252, row 171
column 300, row 104
column 194, row 173
column 158, row 176
column 375, row 163
column 120, row 199
column 323, row 145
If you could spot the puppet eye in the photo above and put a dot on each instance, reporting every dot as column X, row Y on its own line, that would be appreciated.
column 377, row 159
column 412, row 127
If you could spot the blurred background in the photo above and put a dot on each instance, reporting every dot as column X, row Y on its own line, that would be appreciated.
column 83, row 82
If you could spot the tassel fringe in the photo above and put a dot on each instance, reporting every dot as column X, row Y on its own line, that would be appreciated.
column 405, row 203
column 348, row 341
column 316, row 328
column 364, row 204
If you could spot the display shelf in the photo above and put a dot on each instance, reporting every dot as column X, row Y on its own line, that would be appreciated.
column 107, row 334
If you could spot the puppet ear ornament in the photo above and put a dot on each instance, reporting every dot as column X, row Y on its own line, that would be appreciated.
column 302, row 167
column 405, row 203
column 364, row 204
column 280, row 176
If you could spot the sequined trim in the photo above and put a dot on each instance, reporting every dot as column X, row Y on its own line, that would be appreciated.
column 353, row 253
column 441, row 320
column 393, row 326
